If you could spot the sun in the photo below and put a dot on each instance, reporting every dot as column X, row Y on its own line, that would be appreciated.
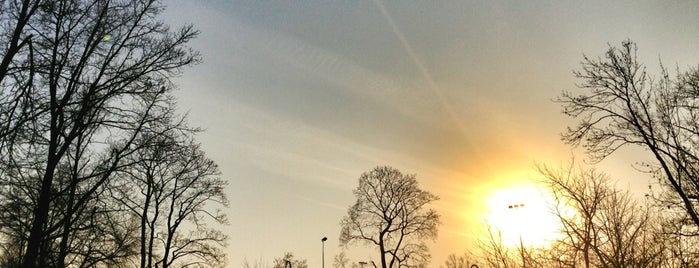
column 521, row 216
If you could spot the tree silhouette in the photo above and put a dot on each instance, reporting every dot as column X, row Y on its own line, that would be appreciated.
column 622, row 105
column 601, row 225
column 461, row 261
column 168, row 190
column 84, row 86
column 289, row 259
column 391, row 213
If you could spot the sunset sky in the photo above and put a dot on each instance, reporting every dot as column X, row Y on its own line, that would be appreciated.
column 298, row 98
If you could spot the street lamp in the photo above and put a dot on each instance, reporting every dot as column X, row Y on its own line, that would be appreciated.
column 521, row 243
column 323, row 256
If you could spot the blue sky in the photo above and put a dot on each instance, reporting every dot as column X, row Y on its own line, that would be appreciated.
column 298, row 98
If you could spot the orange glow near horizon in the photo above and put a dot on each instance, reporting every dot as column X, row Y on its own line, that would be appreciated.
column 520, row 214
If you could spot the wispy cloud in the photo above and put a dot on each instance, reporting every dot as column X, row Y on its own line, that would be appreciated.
column 407, row 95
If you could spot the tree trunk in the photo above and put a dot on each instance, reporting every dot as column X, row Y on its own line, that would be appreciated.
column 144, row 225
column 381, row 249
column 36, row 236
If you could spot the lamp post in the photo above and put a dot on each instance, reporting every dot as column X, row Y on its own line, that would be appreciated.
column 521, row 243
column 322, row 241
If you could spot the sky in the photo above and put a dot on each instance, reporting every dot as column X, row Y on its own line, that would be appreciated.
column 299, row 98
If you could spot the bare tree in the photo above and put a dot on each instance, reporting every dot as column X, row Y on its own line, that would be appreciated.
column 461, row 261
column 680, row 244
column 602, row 226
column 81, row 81
column 391, row 213
column 623, row 105
column 171, row 189
column 289, row 259
column 16, row 44
column 498, row 255
column 257, row 264
column 341, row 260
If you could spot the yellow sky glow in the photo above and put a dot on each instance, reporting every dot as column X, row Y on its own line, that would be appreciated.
column 522, row 212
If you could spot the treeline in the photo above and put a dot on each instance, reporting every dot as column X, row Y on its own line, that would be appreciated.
column 97, row 169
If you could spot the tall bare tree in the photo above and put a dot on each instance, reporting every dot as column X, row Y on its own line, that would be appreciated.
column 80, row 82
column 392, row 214
column 621, row 104
column 172, row 189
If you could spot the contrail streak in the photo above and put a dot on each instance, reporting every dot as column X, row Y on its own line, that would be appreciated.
column 421, row 67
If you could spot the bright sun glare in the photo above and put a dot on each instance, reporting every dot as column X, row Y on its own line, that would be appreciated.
column 521, row 215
